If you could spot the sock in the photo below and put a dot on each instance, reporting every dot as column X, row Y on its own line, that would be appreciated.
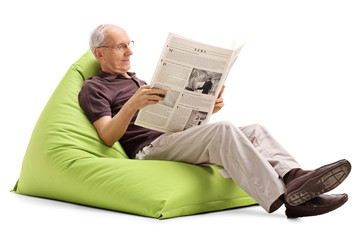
column 294, row 173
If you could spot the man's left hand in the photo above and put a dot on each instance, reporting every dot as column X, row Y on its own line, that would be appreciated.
column 219, row 101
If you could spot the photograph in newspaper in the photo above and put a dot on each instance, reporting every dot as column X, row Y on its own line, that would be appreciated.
column 203, row 81
column 193, row 74
column 195, row 118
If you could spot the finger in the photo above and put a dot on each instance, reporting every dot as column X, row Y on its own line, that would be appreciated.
column 152, row 92
column 221, row 91
column 160, row 94
column 156, row 91
column 154, row 97
column 145, row 87
column 151, row 102
column 219, row 105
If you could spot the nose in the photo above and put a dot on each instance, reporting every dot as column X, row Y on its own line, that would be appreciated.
column 129, row 51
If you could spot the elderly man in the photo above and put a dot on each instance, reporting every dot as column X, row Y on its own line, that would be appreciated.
column 252, row 157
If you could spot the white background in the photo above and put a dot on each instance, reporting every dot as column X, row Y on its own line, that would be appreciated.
column 297, row 75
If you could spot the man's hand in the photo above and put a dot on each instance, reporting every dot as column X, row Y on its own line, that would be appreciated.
column 111, row 130
column 144, row 96
column 219, row 101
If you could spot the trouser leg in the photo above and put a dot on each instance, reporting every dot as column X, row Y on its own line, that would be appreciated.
column 270, row 149
column 226, row 145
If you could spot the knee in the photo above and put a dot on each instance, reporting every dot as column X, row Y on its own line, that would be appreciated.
column 226, row 126
column 258, row 126
column 251, row 129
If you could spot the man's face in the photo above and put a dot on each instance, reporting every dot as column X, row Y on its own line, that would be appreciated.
column 113, row 60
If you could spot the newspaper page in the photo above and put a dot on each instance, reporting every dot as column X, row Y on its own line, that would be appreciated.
column 193, row 74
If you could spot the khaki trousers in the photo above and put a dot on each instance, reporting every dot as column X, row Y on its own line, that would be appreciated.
column 250, row 155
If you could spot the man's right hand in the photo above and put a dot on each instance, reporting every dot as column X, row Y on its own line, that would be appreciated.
column 111, row 130
column 144, row 96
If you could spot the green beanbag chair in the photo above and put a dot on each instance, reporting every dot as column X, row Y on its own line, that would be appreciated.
column 66, row 160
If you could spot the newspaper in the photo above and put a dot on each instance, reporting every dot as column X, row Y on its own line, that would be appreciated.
column 193, row 74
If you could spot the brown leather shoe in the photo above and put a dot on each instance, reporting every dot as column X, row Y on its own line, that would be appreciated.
column 316, row 182
column 316, row 206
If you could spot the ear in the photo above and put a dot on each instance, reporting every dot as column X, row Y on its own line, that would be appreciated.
column 98, row 54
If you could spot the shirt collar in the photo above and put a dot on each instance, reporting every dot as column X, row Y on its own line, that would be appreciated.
column 112, row 77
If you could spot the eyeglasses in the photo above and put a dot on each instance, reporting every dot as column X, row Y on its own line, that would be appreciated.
column 122, row 47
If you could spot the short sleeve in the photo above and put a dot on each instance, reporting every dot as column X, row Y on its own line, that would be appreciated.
column 94, row 101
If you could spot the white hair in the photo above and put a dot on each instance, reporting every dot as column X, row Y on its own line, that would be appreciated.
column 97, row 37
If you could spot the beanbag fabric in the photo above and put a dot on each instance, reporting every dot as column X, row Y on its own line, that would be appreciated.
column 66, row 160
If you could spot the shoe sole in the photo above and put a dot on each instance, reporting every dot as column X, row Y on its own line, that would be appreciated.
column 319, row 185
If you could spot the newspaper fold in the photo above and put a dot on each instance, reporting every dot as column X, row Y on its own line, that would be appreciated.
column 193, row 74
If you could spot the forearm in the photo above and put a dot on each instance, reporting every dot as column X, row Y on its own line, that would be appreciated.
column 111, row 130
column 116, row 127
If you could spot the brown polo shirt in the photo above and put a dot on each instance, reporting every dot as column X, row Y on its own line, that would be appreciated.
column 105, row 95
